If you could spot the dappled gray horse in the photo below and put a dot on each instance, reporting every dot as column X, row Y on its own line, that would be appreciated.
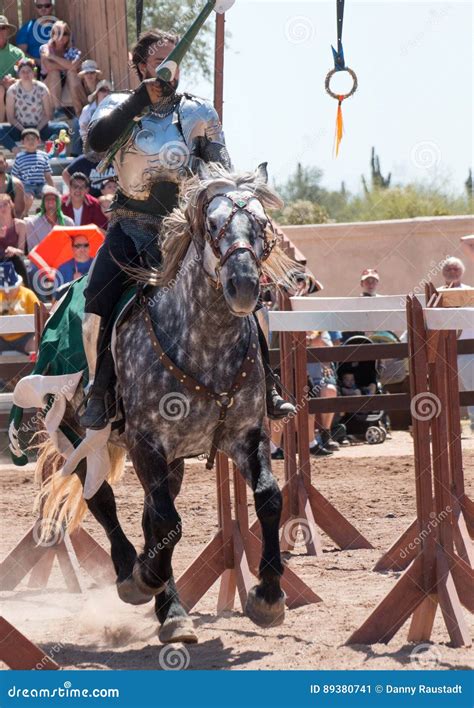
column 191, row 379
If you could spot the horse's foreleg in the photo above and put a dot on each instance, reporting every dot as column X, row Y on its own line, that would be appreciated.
column 176, row 625
column 266, row 601
column 103, row 508
column 161, row 522
column 162, row 530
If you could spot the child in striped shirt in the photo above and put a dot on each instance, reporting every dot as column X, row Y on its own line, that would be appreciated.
column 32, row 167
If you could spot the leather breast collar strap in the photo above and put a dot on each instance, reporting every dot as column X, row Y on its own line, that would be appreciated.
column 223, row 400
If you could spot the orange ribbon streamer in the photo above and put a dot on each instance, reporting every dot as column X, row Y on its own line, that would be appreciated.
column 339, row 125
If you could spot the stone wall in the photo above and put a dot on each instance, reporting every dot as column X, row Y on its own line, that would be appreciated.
column 405, row 252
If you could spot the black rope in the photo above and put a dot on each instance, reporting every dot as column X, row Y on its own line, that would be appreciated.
column 139, row 16
column 339, row 62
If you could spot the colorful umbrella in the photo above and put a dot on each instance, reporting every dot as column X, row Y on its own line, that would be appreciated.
column 56, row 248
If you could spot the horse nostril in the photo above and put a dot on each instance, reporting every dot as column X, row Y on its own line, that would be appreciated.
column 232, row 286
column 244, row 286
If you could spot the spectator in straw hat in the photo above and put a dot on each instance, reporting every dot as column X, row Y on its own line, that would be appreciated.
column 90, row 75
column 9, row 55
column 369, row 281
column 101, row 91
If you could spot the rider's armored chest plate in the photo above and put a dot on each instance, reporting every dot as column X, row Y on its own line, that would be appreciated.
column 155, row 152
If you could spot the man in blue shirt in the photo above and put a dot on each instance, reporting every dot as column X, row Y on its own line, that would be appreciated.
column 33, row 34
column 78, row 266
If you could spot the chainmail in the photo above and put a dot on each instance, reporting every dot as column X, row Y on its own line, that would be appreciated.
column 166, row 106
column 143, row 229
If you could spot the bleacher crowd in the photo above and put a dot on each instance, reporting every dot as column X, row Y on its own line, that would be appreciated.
column 48, row 179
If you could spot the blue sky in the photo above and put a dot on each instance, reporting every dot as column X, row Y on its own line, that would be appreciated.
column 414, row 103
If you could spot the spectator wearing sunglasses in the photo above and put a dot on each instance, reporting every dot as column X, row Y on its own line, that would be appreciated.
column 79, row 265
column 34, row 33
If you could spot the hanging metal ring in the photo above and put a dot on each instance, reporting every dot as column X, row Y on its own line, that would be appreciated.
column 337, row 96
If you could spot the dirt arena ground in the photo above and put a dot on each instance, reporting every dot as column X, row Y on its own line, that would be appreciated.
column 372, row 486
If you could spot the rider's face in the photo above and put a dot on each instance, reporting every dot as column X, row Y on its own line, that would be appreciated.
column 156, row 56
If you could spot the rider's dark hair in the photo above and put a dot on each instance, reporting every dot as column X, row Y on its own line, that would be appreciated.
column 141, row 50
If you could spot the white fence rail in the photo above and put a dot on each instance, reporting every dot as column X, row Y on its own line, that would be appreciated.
column 17, row 324
column 363, row 314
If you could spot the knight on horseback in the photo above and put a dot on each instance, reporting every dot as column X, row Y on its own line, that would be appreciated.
column 156, row 138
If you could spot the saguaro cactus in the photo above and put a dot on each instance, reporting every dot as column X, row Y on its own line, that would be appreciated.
column 377, row 178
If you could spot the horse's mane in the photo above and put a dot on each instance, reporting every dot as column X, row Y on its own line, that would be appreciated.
column 186, row 221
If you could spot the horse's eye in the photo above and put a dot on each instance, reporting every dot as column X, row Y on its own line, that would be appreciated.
column 212, row 221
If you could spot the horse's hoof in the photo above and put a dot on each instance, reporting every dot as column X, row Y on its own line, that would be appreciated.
column 177, row 629
column 129, row 592
column 142, row 586
column 262, row 612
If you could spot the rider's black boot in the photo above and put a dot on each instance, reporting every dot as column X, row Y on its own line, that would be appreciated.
column 277, row 407
column 100, row 403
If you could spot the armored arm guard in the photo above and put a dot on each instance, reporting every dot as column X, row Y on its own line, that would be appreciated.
column 210, row 151
column 113, row 116
column 203, row 132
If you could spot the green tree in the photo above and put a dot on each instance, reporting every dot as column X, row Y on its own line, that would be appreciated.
column 335, row 202
column 176, row 16
column 302, row 212
column 405, row 202
column 303, row 184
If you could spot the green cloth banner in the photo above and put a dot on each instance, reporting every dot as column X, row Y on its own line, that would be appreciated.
column 61, row 350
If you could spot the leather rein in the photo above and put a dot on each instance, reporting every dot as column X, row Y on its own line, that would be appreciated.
column 224, row 400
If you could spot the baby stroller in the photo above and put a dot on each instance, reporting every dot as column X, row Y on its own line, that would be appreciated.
column 371, row 427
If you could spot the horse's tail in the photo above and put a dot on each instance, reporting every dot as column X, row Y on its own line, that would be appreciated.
column 60, row 498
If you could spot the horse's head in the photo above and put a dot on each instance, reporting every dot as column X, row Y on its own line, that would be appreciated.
column 237, row 235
